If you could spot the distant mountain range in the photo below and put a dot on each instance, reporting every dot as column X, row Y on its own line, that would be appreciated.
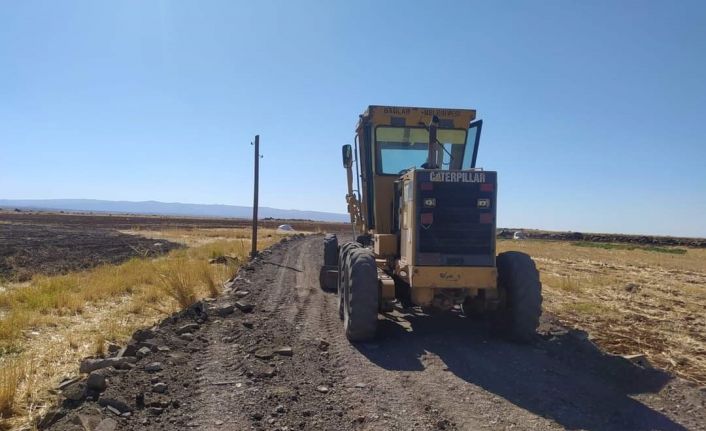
column 166, row 208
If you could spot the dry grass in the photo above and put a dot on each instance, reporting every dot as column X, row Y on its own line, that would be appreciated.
column 11, row 374
column 200, row 236
column 178, row 283
column 51, row 322
column 630, row 300
column 213, row 287
column 99, row 345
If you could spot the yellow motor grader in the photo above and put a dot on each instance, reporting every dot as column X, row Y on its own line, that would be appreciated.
column 424, row 220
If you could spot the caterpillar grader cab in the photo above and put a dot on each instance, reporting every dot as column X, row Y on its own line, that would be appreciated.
column 424, row 221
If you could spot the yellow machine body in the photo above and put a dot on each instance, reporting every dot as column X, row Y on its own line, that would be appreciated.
column 391, row 208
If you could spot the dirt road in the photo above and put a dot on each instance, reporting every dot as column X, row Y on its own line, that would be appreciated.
column 440, row 372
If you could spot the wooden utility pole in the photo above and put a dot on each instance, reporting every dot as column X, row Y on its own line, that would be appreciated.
column 253, row 253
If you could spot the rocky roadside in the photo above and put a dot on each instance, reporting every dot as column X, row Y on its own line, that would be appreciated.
column 155, row 381
column 142, row 382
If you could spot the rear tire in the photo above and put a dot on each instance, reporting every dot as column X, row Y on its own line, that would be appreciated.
column 330, row 261
column 518, row 278
column 330, row 250
column 361, row 296
column 327, row 282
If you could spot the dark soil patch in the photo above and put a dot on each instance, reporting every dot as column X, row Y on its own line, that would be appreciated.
column 29, row 249
column 132, row 221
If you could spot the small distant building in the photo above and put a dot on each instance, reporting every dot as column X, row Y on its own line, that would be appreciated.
column 519, row 235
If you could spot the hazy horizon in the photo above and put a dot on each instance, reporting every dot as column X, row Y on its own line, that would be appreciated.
column 335, row 217
column 169, row 208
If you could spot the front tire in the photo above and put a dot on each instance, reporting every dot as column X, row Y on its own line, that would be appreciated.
column 361, row 296
column 343, row 272
column 518, row 279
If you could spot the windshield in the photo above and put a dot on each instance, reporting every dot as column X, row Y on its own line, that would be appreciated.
column 401, row 148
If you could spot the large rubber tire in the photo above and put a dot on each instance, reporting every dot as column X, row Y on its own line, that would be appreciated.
column 518, row 278
column 330, row 261
column 361, row 296
column 343, row 272
column 326, row 280
column 330, row 250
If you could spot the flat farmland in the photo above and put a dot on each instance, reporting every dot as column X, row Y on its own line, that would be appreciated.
column 53, row 243
column 631, row 300
column 75, row 286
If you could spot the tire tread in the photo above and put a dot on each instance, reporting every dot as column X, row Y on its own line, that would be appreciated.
column 361, row 310
column 518, row 275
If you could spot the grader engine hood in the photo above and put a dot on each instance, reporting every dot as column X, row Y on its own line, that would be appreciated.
column 455, row 213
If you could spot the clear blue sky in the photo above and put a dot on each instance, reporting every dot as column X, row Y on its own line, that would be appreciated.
column 594, row 111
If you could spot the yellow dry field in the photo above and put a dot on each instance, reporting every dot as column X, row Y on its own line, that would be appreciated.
column 51, row 322
column 630, row 301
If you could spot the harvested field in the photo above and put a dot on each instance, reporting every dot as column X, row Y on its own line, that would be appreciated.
column 128, row 222
column 630, row 301
column 54, row 243
column 29, row 249
column 606, row 238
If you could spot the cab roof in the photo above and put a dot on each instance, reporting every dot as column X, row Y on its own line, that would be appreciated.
column 412, row 116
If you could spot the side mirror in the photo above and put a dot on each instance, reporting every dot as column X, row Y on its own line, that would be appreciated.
column 347, row 156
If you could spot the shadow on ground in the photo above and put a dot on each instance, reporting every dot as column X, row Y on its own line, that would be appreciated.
column 565, row 377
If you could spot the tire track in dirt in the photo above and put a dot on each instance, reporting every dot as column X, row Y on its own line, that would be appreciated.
column 304, row 287
column 381, row 403
column 280, row 296
column 315, row 313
